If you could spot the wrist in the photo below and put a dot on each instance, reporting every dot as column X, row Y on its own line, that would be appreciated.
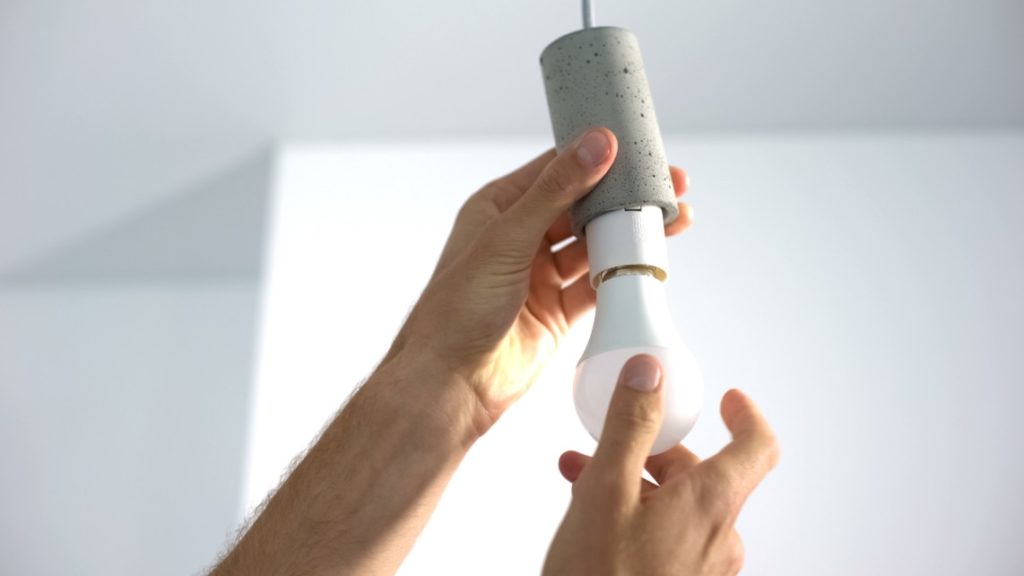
column 421, row 385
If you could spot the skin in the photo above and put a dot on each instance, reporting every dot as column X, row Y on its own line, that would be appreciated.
column 619, row 523
column 361, row 495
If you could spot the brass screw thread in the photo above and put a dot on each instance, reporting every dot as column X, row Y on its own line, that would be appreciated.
column 630, row 270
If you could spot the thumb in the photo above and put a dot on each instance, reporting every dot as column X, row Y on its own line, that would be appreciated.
column 633, row 421
column 567, row 178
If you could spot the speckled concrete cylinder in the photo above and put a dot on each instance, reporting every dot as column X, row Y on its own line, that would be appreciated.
column 595, row 77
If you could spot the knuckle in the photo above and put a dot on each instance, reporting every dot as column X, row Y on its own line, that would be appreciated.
column 555, row 179
column 492, row 185
column 725, row 503
column 504, row 252
column 720, row 495
column 604, row 481
column 468, row 204
column 734, row 554
column 609, row 487
column 772, row 451
column 640, row 417
column 465, row 211
column 723, row 551
column 472, row 204
column 501, row 193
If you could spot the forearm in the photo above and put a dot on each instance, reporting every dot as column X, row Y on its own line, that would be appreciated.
column 361, row 496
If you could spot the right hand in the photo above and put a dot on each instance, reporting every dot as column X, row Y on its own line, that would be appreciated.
column 619, row 523
column 504, row 299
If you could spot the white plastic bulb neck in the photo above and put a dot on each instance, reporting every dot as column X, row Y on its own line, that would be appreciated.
column 632, row 310
column 627, row 238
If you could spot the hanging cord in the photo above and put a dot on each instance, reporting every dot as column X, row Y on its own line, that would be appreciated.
column 588, row 14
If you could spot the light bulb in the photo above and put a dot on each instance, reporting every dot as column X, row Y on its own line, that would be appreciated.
column 628, row 266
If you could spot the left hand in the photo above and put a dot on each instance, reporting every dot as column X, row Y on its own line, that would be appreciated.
column 620, row 523
column 500, row 301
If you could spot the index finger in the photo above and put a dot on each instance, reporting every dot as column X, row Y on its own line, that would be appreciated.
column 632, row 422
column 753, row 452
column 524, row 176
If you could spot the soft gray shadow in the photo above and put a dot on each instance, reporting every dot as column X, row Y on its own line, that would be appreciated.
column 211, row 230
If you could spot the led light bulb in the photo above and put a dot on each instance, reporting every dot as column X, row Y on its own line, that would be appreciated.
column 628, row 267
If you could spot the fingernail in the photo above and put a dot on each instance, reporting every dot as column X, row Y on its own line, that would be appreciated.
column 642, row 373
column 593, row 148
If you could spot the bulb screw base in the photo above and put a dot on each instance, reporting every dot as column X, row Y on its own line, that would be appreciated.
column 627, row 241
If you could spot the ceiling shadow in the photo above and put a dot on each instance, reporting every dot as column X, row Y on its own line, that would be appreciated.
column 212, row 230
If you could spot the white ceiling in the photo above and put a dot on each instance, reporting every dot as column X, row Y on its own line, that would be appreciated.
column 454, row 67
column 107, row 106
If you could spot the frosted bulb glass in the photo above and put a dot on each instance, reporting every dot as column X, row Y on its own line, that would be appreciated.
column 633, row 318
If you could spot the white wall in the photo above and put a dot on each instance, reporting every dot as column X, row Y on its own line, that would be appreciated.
column 865, row 289
column 122, row 424
column 126, row 363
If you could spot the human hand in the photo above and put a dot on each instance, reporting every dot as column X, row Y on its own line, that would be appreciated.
column 500, row 300
column 619, row 523
column 496, row 306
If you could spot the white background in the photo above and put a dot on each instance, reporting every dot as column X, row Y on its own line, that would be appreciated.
column 122, row 425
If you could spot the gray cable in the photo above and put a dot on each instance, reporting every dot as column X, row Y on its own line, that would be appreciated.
column 588, row 14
